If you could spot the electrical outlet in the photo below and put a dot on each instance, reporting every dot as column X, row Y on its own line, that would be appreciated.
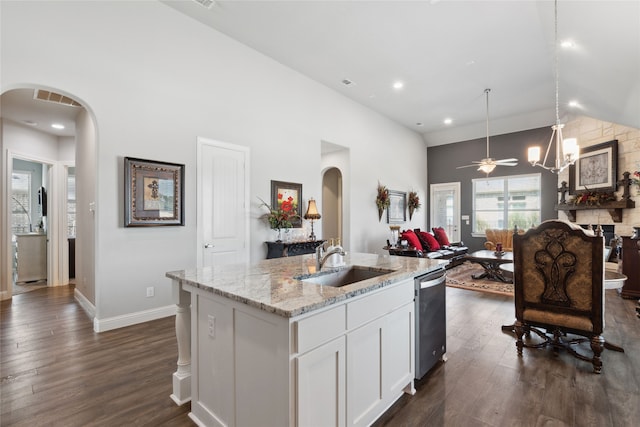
column 150, row 291
column 211, row 324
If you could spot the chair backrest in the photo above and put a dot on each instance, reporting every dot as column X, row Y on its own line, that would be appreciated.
column 499, row 235
column 559, row 277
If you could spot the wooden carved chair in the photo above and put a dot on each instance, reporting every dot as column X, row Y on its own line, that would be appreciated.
column 559, row 287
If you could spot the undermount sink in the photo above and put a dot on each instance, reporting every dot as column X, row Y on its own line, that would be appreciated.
column 346, row 276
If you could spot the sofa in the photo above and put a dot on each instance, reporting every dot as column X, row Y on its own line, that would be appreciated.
column 429, row 244
column 499, row 235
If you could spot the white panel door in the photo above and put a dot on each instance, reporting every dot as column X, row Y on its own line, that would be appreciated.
column 445, row 208
column 223, row 203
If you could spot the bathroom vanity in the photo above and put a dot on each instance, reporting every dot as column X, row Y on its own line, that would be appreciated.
column 277, row 343
column 31, row 257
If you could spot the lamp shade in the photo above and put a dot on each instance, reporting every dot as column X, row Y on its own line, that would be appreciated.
column 534, row 154
column 312, row 210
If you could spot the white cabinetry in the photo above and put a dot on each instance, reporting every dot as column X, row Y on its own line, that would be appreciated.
column 321, row 385
column 379, row 353
column 341, row 365
column 31, row 257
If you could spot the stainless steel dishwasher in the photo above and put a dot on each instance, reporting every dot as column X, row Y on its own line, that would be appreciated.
column 431, row 322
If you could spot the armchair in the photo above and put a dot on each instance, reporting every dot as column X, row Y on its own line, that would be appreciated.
column 497, row 235
column 559, row 287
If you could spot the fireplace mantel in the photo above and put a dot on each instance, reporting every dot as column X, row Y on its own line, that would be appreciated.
column 614, row 208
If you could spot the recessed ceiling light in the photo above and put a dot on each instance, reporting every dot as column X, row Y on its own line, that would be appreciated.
column 398, row 85
column 347, row 82
column 574, row 104
column 30, row 122
column 448, row 121
column 57, row 126
column 567, row 44
column 419, row 124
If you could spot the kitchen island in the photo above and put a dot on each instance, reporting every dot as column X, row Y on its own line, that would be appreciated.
column 260, row 344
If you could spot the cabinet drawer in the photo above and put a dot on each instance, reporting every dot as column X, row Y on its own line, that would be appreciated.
column 378, row 304
column 319, row 328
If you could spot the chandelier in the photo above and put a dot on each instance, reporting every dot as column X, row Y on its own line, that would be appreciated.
column 567, row 150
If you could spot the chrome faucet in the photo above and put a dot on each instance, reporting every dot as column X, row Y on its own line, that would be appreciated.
column 321, row 256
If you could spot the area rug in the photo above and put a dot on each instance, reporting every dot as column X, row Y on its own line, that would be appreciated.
column 460, row 277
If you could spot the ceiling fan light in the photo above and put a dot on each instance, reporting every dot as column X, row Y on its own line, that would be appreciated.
column 487, row 167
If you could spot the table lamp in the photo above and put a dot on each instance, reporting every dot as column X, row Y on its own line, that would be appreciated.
column 311, row 214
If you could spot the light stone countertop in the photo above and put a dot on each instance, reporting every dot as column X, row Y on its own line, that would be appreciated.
column 274, row 285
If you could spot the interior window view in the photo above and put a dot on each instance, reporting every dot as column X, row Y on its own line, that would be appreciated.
column 28, row 226
column 320, row 213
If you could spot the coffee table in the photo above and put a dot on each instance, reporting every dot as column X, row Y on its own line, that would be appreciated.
column 490, row 262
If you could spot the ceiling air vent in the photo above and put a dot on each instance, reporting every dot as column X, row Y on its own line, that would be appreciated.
column 45, row 95
column 206, row 3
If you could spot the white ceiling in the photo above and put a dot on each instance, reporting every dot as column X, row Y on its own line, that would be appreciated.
column 445, row 51
column 20, row 106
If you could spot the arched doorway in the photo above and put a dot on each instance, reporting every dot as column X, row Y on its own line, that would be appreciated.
column 28, row 134
column 332, row 200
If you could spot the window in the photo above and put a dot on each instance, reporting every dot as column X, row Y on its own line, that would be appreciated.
column 71, row 202
column 21, row 202
column 506, row 202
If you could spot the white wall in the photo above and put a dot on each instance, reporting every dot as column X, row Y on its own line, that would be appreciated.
column 155, row 81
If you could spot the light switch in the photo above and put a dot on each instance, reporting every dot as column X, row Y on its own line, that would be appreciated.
column 211, row 324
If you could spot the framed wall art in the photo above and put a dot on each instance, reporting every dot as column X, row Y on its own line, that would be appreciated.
column 596, row 169
column 153, row 193
column 397, row 212
column 287, row 196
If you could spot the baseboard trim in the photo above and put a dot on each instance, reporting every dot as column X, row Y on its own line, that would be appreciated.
column 87, row 305
column 102, row 325
column 5, row 295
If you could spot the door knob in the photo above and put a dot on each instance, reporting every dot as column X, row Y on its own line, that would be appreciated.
column 208, row 246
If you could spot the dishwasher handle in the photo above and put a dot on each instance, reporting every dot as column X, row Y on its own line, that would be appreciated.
column 434, row 282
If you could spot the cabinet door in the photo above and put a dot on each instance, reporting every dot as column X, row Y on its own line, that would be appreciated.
column 364, row 371
column 321, row 385
column 379, row 364
column 397, row 351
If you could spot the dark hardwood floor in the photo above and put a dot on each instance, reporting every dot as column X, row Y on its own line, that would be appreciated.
column 55, row 371
column 484, row 383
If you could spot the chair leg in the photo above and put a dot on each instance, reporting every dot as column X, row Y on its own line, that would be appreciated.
column 597, row 345
column 519, row 329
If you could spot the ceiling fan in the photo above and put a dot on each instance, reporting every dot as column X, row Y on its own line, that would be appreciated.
column 487, row 165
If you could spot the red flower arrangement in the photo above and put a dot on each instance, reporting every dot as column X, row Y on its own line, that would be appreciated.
column 283, row 215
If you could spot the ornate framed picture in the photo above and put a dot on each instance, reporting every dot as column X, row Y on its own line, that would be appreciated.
column 596, row 169
column 153, row 193
column 397, row 212
column 288, row 197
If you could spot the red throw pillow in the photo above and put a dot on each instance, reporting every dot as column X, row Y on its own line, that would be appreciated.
column 430, row 241
column 412, row 239
column 441, row 236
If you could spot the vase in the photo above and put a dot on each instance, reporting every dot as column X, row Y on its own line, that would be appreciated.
column 279, row 235
column 411, row 209
column 380, row 211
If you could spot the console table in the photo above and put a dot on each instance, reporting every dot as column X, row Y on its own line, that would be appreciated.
column 282, row 249
column 630, row 262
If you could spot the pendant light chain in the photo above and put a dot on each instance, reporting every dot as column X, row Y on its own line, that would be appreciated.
column 487, row 92
column 555, row 49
